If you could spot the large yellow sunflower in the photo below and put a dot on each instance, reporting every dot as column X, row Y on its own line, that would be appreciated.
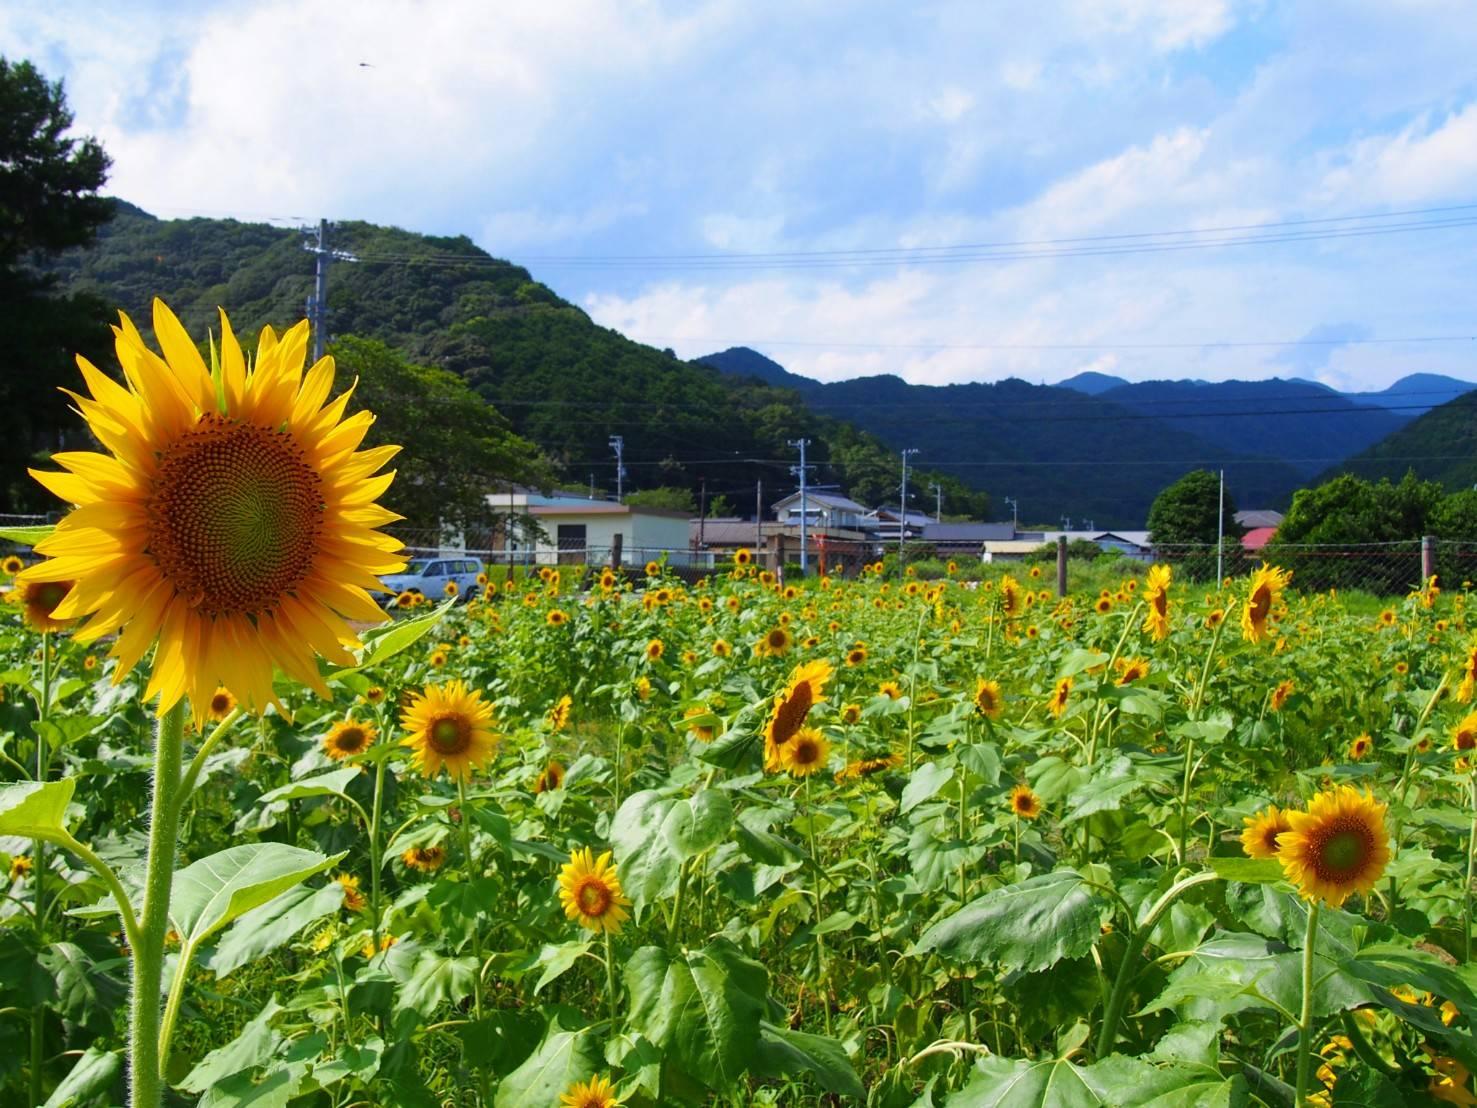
column 347, row 738
column 591, row 892
column 450, row 727
column 233, row 518
column 1336, row 848
column 1156, row 594
column 1267, row 584
column 1024, row 803
column 805, row 689
column 597, row 1092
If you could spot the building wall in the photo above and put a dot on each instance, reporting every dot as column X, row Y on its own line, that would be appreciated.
column 643, row 538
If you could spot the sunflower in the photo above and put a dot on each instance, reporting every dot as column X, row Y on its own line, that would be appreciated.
column 856, row 655
column 702, row 732
column 597, row 1092
column 607, row 579
column 557, row 717
column 851, row 713
column 1103, row 605
column 1464, row 736
column 806, row 753
column 1387, row 617
column 866, row 767
column 1267, row 584
column 805, row 689
column 722, row 648
column 222, row 704
column 20, row 866
column 1339, row 846
column 1259, row 837
column 1010, row 596
column 39, row 602
column 1452, row 1083
column 775, row 643
column 890, row 689
column 1131, row 670
column 1024, row 803
column 551, row 778
column 988, row 699
column 347, row 738
column 89, row 663
column 451, row 588
column 643, row 687
column 1213, row 620
column 449, row 728
column 11, row 565
column 591, row 892
column 1402, row 668
column 427, row 859
column 1360, row 747
column 407, row 599
column 233, row 521
column 1279, row 695
column 1156, row 594
column 1059, row 695
column 375, row 694
column 653, row 569
column 439, row 657
column 654, row 650
column 353, row 899
column 556, row 617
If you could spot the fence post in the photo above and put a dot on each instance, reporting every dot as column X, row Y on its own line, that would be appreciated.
column 1428, row 557
column 1061, row 565
column 615, row 549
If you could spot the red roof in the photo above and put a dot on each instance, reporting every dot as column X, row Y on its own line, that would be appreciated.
column 1257, row 538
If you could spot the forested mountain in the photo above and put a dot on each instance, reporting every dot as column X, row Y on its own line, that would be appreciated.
column 1438, row 446
column 558, row 378
column 1415, row 394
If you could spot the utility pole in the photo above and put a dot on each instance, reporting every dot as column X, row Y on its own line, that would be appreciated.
column 318, row 301
column 1015, row 513
column 1220, row 534
column 618, row 444
column 758, row 518
column 804, row 506
column 902, row 523
column 702, row 511
column 938, row 502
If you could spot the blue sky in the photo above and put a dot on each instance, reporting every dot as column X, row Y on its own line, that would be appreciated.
column 725, row 128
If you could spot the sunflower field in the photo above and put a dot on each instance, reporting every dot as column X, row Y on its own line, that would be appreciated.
column 600, row 838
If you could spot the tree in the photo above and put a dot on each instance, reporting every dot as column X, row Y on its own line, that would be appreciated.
column 1349, row 509
column 455, row 448
column 1189, row 512
column 49, row 202
column 665, row 497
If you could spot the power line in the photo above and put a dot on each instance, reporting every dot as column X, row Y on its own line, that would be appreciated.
column 1102, row 345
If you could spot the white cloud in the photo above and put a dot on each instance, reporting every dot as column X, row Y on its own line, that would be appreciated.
column 1418, row 164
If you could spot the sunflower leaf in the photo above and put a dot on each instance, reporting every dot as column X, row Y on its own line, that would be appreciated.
column 212, row 892
column 33, row 808
column 27, row 536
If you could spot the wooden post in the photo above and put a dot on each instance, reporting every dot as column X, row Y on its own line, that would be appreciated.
column 1428, row 557
column 615, row 549
column 1061, row 565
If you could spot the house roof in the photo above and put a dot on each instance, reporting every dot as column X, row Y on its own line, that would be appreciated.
column 601, row 508
column 1257, row 538
column 1256, row 518
column 823, row 500
column 886, row 514
column 967, row 532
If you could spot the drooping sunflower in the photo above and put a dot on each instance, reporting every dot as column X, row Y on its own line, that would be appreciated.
column 702, row 732
column 233, row 519
column 654, row 650
column 407, row 599
column 427, row 859
column 348, row 737
column 1267, row 584
column 1338, row 847
column 591, row 892
column 1260, row 831
column 557, row 717
column 1360, row 747
column 890, row 689
column 1024, row 803
column 1156, row 595
column 866, row 767
column 597, row 1092
column 989, row 701
column 1131, row 670
column 449, row 727
column 643, row 687
column 40, row 601
column 11, row 565
column 1213, row 620
column 805, row 689
column 375, row 694
column 354, row 900
column 222, row 703
column 1279, row 696
column 1010, row 597
column 1464, row 735
column 551, row 778
column 1059, row 696
column 806, row 753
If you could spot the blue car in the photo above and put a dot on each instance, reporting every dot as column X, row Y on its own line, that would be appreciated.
column 428, row 576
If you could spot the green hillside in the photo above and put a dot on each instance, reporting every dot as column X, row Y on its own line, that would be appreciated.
column 1438, row 446
column 557, row 378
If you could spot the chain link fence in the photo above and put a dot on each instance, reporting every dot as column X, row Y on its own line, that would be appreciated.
column 1380, row 568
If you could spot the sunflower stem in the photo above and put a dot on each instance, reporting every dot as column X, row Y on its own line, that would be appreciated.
column 1471, row 860
column 38, row 1014
column 609, row 978
column 145, row 1081
column 820, row 880
column 375, row 861
column 1305, row 1016
column 465, row 823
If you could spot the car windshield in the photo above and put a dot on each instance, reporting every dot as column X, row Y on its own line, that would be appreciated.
column 418, row 567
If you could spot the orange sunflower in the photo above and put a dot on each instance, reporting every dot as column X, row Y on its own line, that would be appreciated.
column 1336, row 848
column 1024, row 803
column 232, row 521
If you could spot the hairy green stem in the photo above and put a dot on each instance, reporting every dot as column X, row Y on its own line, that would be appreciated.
column 1471, row 859
column 1108, row 1034
column 1305, row 1016
column 145, row 1062
column 610, row 980
column 466, row 827
column 375, row 862
column 38, row 1014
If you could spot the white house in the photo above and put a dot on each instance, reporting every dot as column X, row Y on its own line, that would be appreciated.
column 821, row 509
column 578, row 530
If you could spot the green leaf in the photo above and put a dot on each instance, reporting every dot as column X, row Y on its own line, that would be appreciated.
column 695, row 826
column 35, row 808
column 1118, row 1081
column 558, row 960
column 85, row 994
column 1078, row 660
column 28, row 536
column 438, row 979
column 1105, row 789
column 382, row 644
column 212, row 892
column 1026, row 926
column 646, row 863
column 1249, row 871
column 926, row 781
column 782, row 1051
column 324, row 784
column 563, row 1058
column 701, row 1008
column 264, row 929
column 94, row 1075
column 256, row 1044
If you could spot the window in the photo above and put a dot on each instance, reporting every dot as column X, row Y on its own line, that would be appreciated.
column 436, row 569
column 571, row 541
